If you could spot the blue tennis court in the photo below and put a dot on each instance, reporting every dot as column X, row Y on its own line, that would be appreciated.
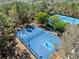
column 41, row 43
column 68, row 19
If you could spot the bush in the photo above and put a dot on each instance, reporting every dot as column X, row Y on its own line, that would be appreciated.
column 54, row 18
column 58, row 25
column 42, row 17
column 18, row 11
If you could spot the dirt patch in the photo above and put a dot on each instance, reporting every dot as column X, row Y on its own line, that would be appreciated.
column 22, row 48
column 57, row 55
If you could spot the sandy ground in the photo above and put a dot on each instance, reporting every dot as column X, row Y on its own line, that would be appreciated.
column 58, row 56
column 22, row 48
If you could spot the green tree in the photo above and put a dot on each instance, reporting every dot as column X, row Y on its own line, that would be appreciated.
column 42, row 17
column 18, row 12
column 7, row 28
column 7, row 24
column 57, row 24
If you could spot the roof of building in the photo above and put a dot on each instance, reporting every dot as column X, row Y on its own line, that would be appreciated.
column 39, row 42
column 68, row 19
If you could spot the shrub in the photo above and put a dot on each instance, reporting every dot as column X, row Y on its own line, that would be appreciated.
column 19, row 12
column 54, row 18
column 42, row 17
column 57, row 24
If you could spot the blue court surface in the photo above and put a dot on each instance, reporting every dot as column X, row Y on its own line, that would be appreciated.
column 40, row 43
column 68, row 19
